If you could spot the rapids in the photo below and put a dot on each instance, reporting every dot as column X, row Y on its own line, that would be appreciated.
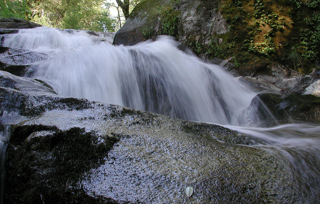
column 156, row 76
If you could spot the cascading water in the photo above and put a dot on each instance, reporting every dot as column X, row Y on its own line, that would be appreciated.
column 152, row 76
column 158, row 77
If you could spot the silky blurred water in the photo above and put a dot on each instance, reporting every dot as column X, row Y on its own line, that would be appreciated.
column 156, row 76
column 151, row 76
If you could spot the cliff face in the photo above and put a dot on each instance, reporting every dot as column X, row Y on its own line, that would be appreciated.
column 255, row 35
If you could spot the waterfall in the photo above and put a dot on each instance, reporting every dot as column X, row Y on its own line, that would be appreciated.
column 156, row 76
column 151, row 76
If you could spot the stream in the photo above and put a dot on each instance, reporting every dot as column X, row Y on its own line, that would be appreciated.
column 156, row 76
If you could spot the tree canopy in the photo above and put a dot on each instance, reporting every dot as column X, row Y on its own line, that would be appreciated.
column 127, row 6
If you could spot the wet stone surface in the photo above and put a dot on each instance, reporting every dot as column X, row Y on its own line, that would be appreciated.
column 109, row 154
column 18, row 61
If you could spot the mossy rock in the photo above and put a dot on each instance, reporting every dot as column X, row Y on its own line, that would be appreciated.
column 149, row 19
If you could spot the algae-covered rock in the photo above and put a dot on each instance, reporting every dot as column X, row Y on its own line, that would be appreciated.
column 144, row 22
column 75, row 151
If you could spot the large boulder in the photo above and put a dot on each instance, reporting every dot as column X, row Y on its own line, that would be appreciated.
column 73, row 150
column 194, row 23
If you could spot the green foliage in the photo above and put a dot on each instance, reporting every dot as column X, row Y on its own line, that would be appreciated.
column 164, row 15
column 169, row 23
column 148, row 32
column 13, row 9
column 87, row 15
column 286, row 32
column 175, row 2
column 67, row 14
column 306, row 37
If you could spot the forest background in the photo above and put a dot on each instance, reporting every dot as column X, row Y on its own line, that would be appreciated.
column 94, row 15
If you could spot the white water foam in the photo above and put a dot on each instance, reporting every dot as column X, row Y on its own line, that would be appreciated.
column 152, row 76
column 158, row 77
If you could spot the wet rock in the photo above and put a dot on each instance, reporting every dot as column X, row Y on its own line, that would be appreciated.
column 13, row 56
column 278, row 85
column 18, row 61
column 8, row 31
column 17, row 23
column 196, row 24
column 290, row 96
column 313, row 89
column 292, row 108
column 47, row 163
column 74, row 151
column 281, row 81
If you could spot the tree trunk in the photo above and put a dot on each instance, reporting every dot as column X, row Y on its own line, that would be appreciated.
column 125, row 7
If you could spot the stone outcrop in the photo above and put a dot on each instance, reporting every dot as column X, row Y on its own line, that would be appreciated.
column 193, row 23
column 18, row 61
column 17, row 23
column 313, row 89
column 283, row 82
column 65, row 149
